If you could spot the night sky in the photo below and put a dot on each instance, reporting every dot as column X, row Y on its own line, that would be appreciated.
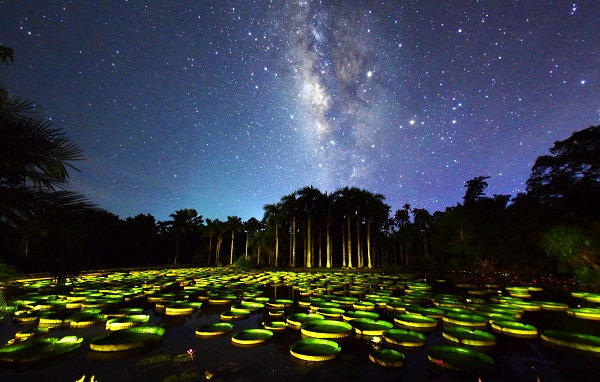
column 224, row 106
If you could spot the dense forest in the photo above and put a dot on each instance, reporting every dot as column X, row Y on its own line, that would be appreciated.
column 552, row 227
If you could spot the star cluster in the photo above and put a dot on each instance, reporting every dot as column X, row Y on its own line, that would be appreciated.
column 224, row 106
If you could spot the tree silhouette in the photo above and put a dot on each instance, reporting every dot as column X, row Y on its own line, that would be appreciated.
column 183, row 221
column 234, row 224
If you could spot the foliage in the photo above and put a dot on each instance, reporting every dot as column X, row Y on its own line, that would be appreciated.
column 6, row 55
column 567, row 181
column 475, row 189
column 243, row 262
column 7, row 272
column 575, row 250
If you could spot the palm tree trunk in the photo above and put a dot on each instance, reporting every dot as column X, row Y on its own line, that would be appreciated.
column 328, row 265
column 343, row 247
column 309, row 244
column 294, row 241
column 358, row 244
column 349, row 244
column 369, row 261
column 209, row 247
column 276, row 243
column 231, row 255
column 320, row 248
column 218, row 250
column 176, row 249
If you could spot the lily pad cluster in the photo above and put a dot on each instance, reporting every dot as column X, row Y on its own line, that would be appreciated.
column 391, row 313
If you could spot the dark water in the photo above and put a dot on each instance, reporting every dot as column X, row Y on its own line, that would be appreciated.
column 516, row 359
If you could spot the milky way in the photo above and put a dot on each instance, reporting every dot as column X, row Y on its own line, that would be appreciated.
column 224, row 106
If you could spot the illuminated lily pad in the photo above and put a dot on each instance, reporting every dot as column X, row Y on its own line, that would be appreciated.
column 30, row 332
column 296, row 320
column 465, row 336
column 370, row 327
column 279, row 304
column 416, row 322
column 181, row 308
column 235, row 314
column 275, row 326
column 251, row 336
column 460, row 359
column 55, row 318
column 214, row 329
column 127, row 339
column 551, row 305
column 352, row 315
column 402, row 337
column 515, row 329
column 37, row 349
column 399, row 306
column 579, row 341
column 387, row 357
column 469, row 320
column 315, row 350
column 364, row 305
column 222, row 299
column 119, row 323
column 326, row 329
column 428, row 312
column 585, row 313
column 86, row 319
column 250, row 305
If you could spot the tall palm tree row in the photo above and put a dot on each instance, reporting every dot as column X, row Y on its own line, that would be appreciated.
column 318, row 219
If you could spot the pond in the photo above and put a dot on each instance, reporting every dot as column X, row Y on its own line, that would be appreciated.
column 248, row 299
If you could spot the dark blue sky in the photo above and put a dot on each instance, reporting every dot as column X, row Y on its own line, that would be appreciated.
column 224, row 106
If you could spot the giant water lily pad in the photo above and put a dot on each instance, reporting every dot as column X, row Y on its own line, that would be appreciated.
column 585, row 313
column 315, row 350
column 515, row 329
column 465, row 336
column 275, row 326
column 235, row 314
column 460, row 359
column 326, row 329
column 579, row 341
column 119, row 323
column 181, row 308
column 470, row 320
column 296, row 320
column 127, row 339
column 251, row 336
column 387, row 357
column 402, row 337
column 369, row 327
column 416, row 322
column 37, row 349
column 214, row 329
column 352, row 315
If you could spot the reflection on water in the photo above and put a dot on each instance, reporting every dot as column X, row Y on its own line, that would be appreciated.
column 182, row 356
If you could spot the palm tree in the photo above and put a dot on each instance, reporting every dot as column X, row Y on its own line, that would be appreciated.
column 272, row 218
column 347, row 198
column 234, row 223
column 35, row 160
column 221, row 228
column 183, row 221
column 210, row 231
column 377, row 213
column 289, row 209
column 251, row 226
column 307, row 199
column 329, row 210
